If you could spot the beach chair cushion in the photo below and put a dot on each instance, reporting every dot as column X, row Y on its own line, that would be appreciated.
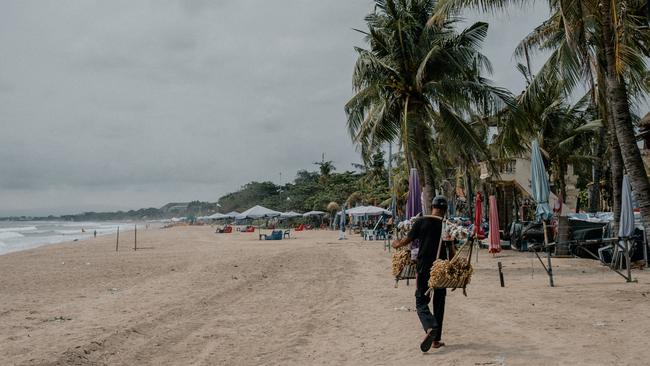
column 275, row 235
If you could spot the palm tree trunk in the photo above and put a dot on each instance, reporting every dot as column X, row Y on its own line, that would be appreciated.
column 597, row 172
column 429, row 187
column 615, row 159
column 620, row 109
column 616, row 166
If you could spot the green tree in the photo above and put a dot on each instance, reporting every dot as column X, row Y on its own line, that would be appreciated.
column 418, row 84
column 609, row 39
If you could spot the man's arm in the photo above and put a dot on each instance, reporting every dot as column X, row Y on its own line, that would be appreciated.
column 400, row 243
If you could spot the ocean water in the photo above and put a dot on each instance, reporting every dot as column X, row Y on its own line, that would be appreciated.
column 22, row 235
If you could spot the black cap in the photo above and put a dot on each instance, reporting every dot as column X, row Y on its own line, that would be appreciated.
column 439, row 202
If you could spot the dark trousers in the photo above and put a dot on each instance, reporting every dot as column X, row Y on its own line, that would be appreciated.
column 429, row 320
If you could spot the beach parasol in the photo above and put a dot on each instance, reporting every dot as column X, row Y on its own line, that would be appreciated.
column 626, row 223
column 313, row 213
column 541, row 192
column 495, row 237
column 414, row 202
column 368, row 211
column 257, row 212
column 342, row 224
column 539, row 183
column 290, row 214
column 217, row 216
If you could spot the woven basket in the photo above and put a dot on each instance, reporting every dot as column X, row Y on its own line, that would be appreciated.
column 450, row 274
column 400, row 259
column 454, row 273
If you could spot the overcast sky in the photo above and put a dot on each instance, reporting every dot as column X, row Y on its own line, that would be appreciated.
column 124, row 104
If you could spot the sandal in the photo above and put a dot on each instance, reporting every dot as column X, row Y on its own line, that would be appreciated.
column 427, row 341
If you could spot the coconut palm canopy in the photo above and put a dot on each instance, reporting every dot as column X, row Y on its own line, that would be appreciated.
column 419, row 85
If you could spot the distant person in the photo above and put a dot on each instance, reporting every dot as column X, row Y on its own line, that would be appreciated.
column 428, row 231
column 95, row 233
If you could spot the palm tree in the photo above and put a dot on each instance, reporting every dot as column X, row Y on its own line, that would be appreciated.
column 608, row 39
column 418, row 85
column 326, row 168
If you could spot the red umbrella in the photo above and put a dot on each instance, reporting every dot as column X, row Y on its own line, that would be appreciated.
column 478, row 213
column 495, row 237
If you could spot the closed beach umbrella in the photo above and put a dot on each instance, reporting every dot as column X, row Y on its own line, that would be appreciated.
column 495, row 238
column 414, row 202
column 539, row 182
column 626, row 224
column 541, row 191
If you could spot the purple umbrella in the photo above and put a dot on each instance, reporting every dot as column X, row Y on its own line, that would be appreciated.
column 414, row 203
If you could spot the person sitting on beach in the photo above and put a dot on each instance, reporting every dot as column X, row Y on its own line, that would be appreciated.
column 428, row 230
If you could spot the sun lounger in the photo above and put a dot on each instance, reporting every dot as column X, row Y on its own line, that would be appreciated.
column 300, row 228
column 226, row 230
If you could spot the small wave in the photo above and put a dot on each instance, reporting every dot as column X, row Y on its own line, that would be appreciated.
column 70, row 232
column 10, row 235
column 20, row 229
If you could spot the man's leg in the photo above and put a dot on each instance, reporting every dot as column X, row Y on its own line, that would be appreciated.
column 422, row 302
column 439, row 296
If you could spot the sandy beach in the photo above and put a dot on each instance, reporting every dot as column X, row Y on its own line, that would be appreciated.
column 192, row 297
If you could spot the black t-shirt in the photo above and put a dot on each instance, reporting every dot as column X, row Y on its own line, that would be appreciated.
column 427, row 230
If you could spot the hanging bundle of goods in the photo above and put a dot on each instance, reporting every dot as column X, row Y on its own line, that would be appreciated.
column 401, row 259
column 454, row 273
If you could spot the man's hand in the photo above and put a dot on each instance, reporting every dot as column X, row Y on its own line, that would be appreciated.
column 400, row 243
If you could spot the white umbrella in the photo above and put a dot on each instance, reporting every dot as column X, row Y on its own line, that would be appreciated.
column 313, row 213
column 368, row 211
column 230, row 215
column 217, row 216
column 257, row 212
column 290, row 214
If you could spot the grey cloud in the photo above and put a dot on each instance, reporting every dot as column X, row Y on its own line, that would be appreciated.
column 122, row 104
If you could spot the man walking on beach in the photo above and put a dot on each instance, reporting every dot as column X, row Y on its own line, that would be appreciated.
column 428, row 230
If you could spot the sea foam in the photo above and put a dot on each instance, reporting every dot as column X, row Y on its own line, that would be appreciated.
column 10, row 235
